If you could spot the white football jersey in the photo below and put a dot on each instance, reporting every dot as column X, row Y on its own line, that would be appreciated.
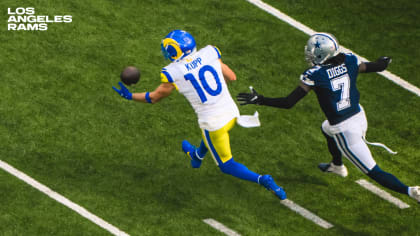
column 199, row 78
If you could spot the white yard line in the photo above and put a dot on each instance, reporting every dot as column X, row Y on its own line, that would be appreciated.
column 296, row 24
column 307, row 214
column 289, row 204
column 381, row 193
column 61, row 199
column 220, row 227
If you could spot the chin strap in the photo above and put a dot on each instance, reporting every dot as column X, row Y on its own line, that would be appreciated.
column 379, row 145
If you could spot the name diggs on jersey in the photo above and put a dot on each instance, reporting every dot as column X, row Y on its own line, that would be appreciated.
column 336, row 71
column 194, row 64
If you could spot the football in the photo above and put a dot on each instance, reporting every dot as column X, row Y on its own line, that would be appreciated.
column 130, row 75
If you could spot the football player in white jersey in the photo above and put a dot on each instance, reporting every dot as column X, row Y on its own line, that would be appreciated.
column 201, row 77
column 333, row 76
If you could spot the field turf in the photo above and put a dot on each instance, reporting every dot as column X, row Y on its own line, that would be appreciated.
column 62, row 124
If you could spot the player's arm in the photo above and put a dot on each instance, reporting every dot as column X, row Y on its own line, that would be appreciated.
column 282, row 102
column 164, row 90
column 376, row 66
column 160, row 92
column 228, row 73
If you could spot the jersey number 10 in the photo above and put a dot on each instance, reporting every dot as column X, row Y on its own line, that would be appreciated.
column 199, row 88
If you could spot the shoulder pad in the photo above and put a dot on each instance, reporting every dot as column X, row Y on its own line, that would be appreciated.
column 211, row 51
column 350, row 57
column 311, row 71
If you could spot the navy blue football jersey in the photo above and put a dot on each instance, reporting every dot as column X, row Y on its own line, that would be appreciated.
column 335, row 87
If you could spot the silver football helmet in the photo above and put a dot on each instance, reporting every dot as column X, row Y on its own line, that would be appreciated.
column 320, row 47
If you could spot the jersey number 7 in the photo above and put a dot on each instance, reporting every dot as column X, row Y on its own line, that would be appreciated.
column 342, row 83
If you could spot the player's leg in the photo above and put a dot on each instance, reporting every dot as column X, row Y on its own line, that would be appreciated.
column 387, row 180
column 355, row 149
column 196, row 154
column 336, row 166
column 333, row 149
column 219, row 145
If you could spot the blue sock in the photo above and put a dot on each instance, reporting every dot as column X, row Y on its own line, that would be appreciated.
column 202, row 150
column 387, row 180
column 238, row 170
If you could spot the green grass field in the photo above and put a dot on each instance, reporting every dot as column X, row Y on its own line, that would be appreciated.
column 62, row 124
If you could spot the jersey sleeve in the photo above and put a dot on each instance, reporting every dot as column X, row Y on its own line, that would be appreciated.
column 219, row 54
column 308, row 77
column 307, row 80
column 165, row 77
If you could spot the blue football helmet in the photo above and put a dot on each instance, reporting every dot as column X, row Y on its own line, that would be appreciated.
column 177, row 45
column 321, row 47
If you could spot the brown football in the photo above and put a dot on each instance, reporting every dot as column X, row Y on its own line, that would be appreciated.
column 130, row 75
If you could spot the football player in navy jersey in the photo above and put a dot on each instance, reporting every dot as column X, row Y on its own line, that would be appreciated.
column 333, row 77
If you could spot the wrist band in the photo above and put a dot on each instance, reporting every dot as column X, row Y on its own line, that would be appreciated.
column 147, row 97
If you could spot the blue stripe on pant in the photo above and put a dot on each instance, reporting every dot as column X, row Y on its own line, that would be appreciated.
column 212, row 149
column 342, row 144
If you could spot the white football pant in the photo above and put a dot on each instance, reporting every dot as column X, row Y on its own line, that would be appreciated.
column 349, row 137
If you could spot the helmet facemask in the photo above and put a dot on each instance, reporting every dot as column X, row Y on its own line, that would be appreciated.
column 309, row 57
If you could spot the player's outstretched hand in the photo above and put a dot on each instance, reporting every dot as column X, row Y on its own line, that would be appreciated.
column 386, row 60
column 123, row 92
column 249, row 98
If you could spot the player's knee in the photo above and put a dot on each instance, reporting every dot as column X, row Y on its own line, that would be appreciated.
column 324, row 125
column 323, row 132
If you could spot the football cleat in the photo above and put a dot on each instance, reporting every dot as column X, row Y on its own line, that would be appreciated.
column 268, row 182
column 177, row 45
column 330, row 167
column 189, row 149
column 320, row 47
column 414, row 192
